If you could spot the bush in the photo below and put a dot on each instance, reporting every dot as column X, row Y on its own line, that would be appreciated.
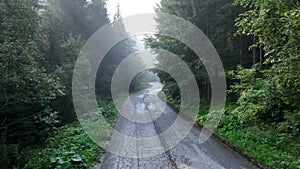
column 69, row 148
column 8, row 153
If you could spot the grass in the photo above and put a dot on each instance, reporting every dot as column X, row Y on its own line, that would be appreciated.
column 265, row 144
column 70, row 147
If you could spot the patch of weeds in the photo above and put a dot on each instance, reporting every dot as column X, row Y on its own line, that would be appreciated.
column 69, row 148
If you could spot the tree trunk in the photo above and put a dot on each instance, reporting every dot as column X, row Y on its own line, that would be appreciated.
column 254, row 50
column 261, row 55
column 207, row 20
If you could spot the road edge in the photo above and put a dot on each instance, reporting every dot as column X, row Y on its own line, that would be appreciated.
column 218, row 137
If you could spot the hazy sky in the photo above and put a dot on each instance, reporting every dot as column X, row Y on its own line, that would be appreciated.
column 131, row 7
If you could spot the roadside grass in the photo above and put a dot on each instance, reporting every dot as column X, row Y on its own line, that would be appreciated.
column 263, row 143
column 69, row 146
column 264, row 146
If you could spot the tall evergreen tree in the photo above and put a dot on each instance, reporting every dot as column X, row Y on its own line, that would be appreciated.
column 26, row 88
column 216, row 19
column 68, row 24
column 114, row 57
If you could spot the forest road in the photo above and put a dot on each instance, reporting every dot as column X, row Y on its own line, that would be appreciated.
column 188, row 154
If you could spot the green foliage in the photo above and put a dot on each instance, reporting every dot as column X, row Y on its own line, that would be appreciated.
column 8, row 153
column 66, row 147
column 203, row 112
column 71, row 47
column 69, row 148
column 269, row 97
column 108, row 110
column 38, row 49
column 67, row 24
column 114, row 57
column 262, row 142
column 264, row 122
column 216, row 20
column 26, row 88
column 253, row 97
column 272, row 93
column 79, row 17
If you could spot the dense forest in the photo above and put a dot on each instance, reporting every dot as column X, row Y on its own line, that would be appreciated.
column 258, row 43
column 40, row 43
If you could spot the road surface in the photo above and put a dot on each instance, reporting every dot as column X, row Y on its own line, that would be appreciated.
column 188, row 154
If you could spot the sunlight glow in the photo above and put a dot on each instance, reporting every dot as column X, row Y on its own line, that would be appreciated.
column 131, row 7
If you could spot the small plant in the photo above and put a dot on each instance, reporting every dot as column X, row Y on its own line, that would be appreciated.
column 69, row 148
